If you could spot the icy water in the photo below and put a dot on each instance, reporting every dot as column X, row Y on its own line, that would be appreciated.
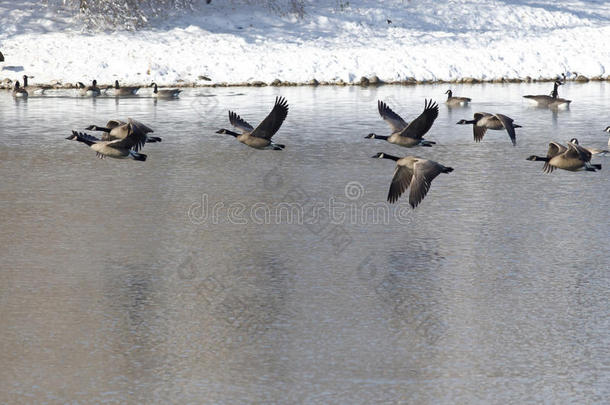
column 202, row 275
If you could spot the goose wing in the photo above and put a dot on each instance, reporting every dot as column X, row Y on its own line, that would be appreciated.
column 272, row 123
column 507, row 123
column 114, row 123
column 400, row 182
column 578, row 152
column 555, row 149
column 136, row 136
column 424, row 172
column 394, row 120
column 239, row 122
column 422, row 124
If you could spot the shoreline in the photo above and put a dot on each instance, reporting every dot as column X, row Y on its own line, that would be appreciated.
column 7, row 84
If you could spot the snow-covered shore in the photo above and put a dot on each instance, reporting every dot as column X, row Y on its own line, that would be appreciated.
column 395, row 40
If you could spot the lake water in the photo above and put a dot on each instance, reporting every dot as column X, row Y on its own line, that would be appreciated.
column 185, row 279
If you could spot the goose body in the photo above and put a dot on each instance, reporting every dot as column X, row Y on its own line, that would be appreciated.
column 122, row 91
column 119, row 148
column 592, row 151
column 165, row 93
column 456, row 101
column 117, row 129
column 33, row 89
column 18, row 91
column 415, row 172
column 483, row 121
column 91, row 91
column 403, row 134
column 552, row 100
column 259, row 137
column 571, row 157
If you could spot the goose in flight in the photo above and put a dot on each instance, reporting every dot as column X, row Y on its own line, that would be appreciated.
column 259, row 137
column 117, row 129
column 572, row 158
column 403, row 134
column 119, row 148
column 483, row 121
column 415, row 172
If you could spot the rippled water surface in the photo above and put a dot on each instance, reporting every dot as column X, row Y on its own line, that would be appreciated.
column 194, row 278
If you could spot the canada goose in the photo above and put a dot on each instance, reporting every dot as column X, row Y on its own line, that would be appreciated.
column 572, row 158
column 260, row 137
column 164, row 93
column 550, row 101
column 92, row 90
column 483, row 121
column 415, row 172
column 1, row 57
column 403, row 134
column 118, row 148
column 18, row 91
column 34, row 89
column 456, row 101
column 117, row 129
column 608, row 130
column 592, row 151
column 122, row 91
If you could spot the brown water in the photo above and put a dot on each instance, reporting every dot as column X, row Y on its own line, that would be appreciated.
column 183, row 279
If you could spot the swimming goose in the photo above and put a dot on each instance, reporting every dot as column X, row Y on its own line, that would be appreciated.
column 456, row 101
column 592, row 151
column 118, row 148
column 18, row 91
column 122, row 91
column 572, row 158
column 259, row 137
column 34, row 89
column 415, row 172
column 483, row 121
column 403, row 134
column 164, row 93
column 550, row 101
column 608, row 130
column 92, row 90
column 117, row 129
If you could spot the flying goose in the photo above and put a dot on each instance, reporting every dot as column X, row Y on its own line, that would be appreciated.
column 415, row 172
column 456, row 101
column 608, row 130
column 122, row 91
column 403, row 134
column 483, row 121
column 164, row 93
column 118, row 148
column 572, row 158
column 550, row 101
column 18, row 91
column 592, row 151
column 92, row 90
column 260, row 137
column 117, row 129
column 34, row 89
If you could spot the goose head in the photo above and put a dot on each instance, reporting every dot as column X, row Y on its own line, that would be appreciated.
column 463, row 122
column 17, row 85
column 574, row 141
column 370, row 136
column 607, row 128
column 449, row 93
column 379, row 155
column 153, row 84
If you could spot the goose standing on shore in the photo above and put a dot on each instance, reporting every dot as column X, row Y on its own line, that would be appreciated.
column 259, row 137
column 572, row 158
column 553, row 100
column 18, row 91
column 119, row 148
column 403, row 134
column 456, row 101
column 483, row 121
column 117, row 129
column 164, row 93
column 415, row 172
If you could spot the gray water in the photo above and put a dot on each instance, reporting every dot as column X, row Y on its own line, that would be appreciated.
column 119, row 284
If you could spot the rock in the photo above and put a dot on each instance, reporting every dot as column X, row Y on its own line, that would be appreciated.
column 528, row 79
column 581, row 79
column 340, row 82
column 597, row 78
column 364, row 81
column 258, row 83
column 374, row 80
column 408, row 81
column 276, row 82
column 313, row 82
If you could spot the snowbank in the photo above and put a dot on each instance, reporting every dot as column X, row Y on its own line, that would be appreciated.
column 393, row 39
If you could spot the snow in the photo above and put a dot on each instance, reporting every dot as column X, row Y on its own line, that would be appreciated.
column 426, row 40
